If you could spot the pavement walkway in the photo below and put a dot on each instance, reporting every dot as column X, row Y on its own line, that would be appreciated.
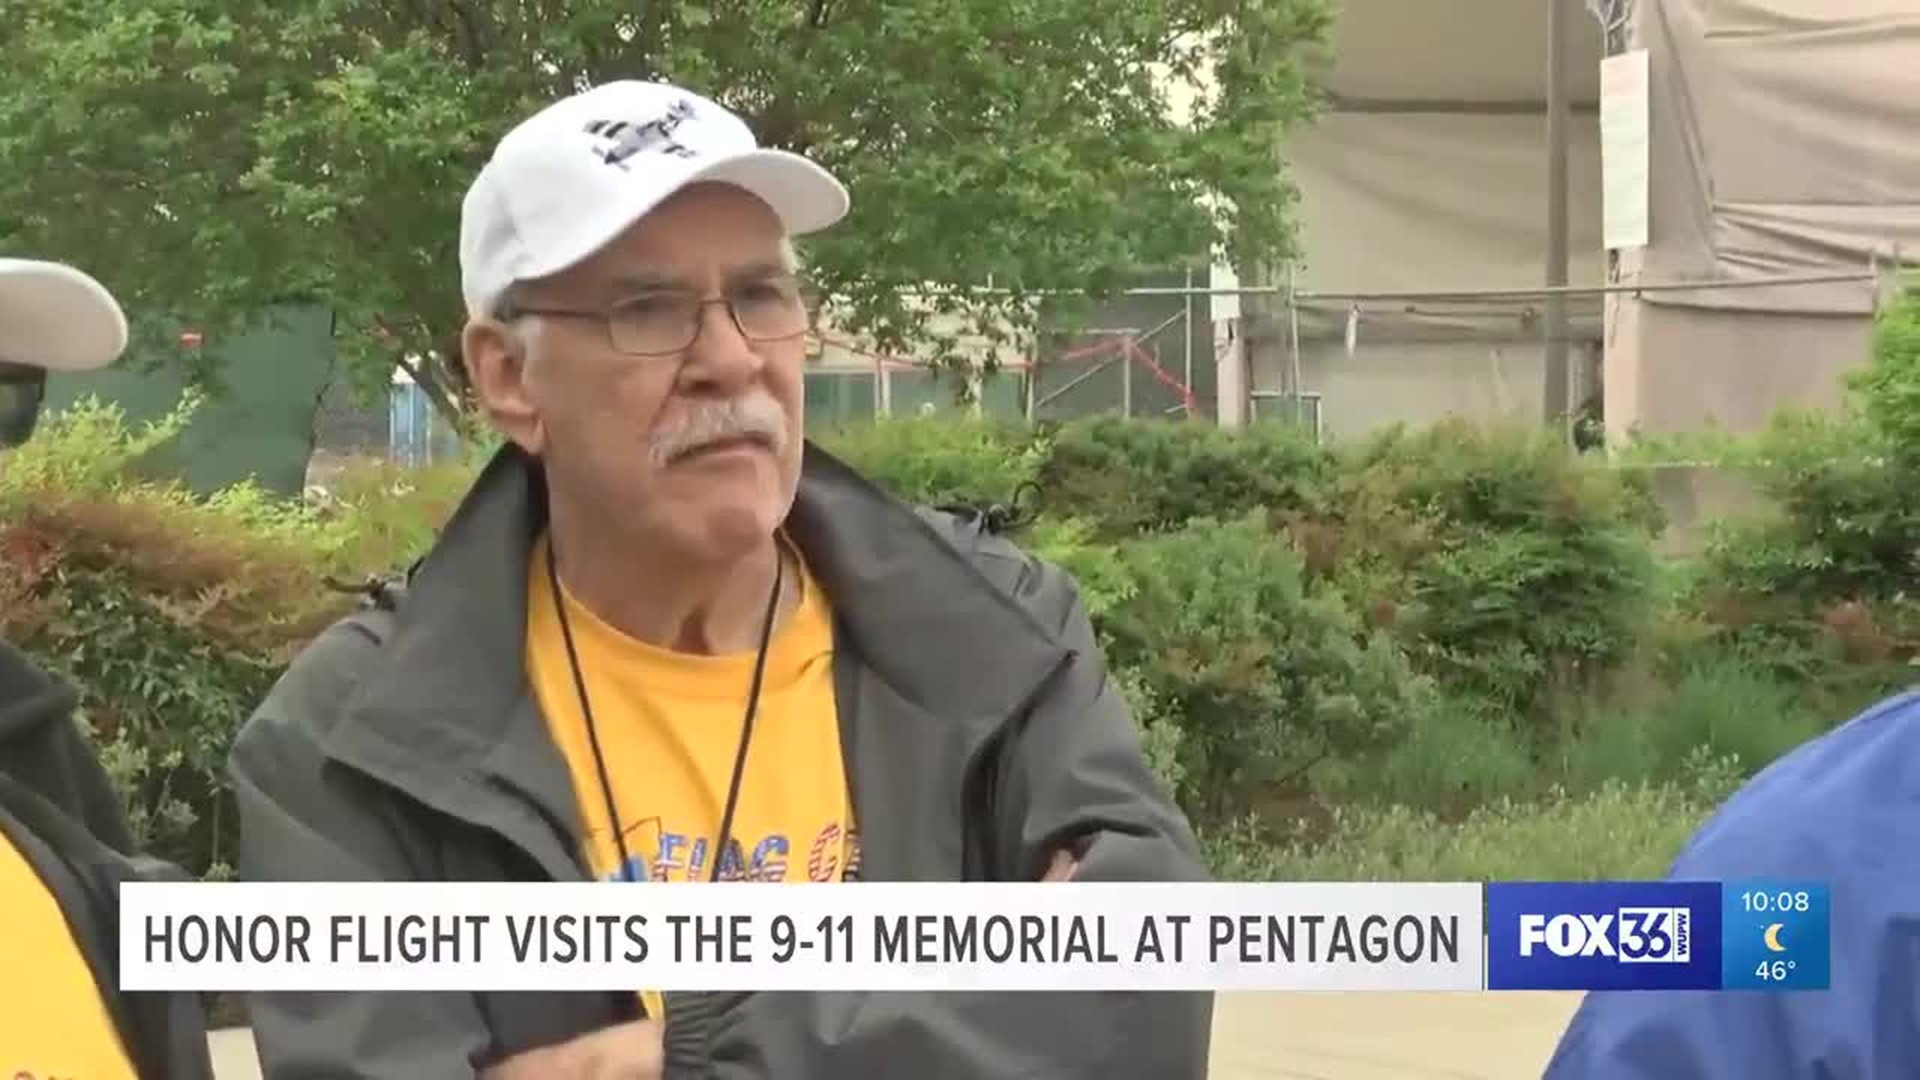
column 1438, row 1036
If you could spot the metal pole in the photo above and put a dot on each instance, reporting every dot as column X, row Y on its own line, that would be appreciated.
column 1557, row 133
column 1033, row 384
column 1293, row 345
column 1188, row 328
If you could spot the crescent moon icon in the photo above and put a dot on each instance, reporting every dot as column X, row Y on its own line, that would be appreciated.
column 1772, row 938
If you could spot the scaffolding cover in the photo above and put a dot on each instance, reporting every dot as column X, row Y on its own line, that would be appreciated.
column 1783, row 144
column 1426, row 202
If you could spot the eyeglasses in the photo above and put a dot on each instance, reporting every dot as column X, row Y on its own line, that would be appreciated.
column 666, row 321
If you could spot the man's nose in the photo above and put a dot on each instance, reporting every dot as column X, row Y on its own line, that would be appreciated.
column 720, row 354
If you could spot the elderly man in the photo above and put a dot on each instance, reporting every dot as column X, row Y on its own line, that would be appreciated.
column 64, row 842
column 664, row 639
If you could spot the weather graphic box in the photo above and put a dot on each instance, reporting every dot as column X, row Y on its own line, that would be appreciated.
column 1657, row 935
column 1775, row 935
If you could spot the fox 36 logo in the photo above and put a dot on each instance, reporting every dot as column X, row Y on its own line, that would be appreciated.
column 1631, row 935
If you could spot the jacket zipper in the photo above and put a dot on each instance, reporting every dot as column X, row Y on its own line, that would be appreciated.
column 980, row 802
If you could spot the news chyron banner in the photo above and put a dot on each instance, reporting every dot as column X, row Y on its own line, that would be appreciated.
column 1684, row 935
column 884, row 936
column 870, row 936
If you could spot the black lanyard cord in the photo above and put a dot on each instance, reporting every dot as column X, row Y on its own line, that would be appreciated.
column 746, row 723
column 753, row 709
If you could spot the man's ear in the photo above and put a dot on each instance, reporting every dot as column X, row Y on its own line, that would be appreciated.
column 496, row 363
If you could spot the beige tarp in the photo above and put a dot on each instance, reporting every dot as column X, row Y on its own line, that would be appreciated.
column 1421, row 202
column 1454, row 50
column 1429, row 174
column 1425, row 202
column 1786, row 141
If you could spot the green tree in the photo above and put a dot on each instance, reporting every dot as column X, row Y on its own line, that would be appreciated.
column 211, row 157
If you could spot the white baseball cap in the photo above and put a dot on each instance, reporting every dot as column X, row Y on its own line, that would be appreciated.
column 575, row 175
column 55, row 317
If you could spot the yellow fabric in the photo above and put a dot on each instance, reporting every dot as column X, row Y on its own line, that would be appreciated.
column 55, row 1023
column 669, row 727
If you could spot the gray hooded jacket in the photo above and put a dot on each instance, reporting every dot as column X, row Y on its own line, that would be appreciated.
column 59, row 808
column 981, row 734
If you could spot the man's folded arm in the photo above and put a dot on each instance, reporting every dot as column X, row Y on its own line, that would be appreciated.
column 1075, row 773
column 299, row 822
column 1075, row 776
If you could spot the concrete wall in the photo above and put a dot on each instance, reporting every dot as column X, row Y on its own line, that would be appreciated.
column 1421, row 384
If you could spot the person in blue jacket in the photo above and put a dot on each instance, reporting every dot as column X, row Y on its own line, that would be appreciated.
column 1843, row 809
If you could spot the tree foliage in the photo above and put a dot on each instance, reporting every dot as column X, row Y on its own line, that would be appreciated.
column 211, row 157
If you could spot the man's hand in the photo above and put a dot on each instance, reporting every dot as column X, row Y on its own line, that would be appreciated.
column 629, row 1051
column 1063, row 868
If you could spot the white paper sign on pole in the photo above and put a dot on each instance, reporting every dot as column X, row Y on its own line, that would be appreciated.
column 1625, row 118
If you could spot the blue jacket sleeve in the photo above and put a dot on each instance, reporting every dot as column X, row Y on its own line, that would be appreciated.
column 1843, row 809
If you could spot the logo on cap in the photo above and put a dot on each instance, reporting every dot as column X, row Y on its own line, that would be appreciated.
column 620, row 140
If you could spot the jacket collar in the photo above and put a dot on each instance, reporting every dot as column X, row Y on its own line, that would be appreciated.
column 447, row 706
column 30, row 698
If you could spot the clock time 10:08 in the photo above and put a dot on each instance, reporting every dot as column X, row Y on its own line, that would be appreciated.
column 1760, row 900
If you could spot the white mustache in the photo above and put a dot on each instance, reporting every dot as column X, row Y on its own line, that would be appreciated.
column 757, row 417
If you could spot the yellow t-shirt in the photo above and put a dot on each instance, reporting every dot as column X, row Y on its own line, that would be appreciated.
column 55, row 1023
column 669, row 726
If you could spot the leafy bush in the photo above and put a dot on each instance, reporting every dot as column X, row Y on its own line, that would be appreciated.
column 1848, row 522
column 1503, row 561
column 1268, row 679
column 172, row 614
column 1106, row 580
column 1827, row 580
column 377, row 517
column 172, row 623
column 1131, row 477
column 1458, row 755
column 1726, row 706
column 1160, row 730
column 940, row 460
column 86, row 449
column 1888, row 390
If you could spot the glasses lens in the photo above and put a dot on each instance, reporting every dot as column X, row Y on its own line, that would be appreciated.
column 668, row 322
column 654, row 324
column 772, row 310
